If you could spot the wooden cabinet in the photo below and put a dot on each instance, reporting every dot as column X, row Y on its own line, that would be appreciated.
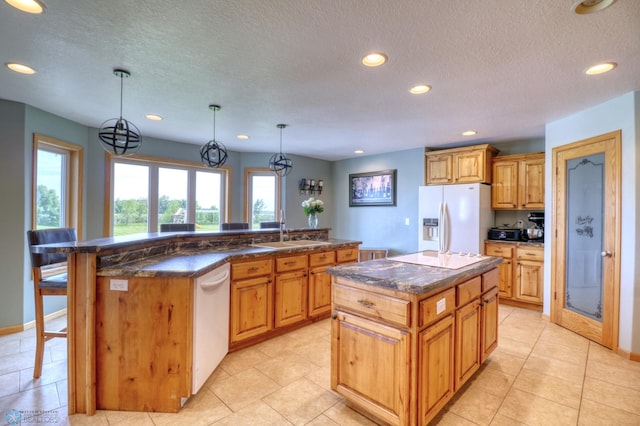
column 435, row 368
column 372, row 330
column 459, row 165
column 320, row 282
column 251, row 299
column 505, row 269
column 467, row 349
column 273, row 295
column 518, row 182
column 370, row 366
column 489, row 321
column 529, row 274
column 143, row 353
column 291, row 290
column 521, row 276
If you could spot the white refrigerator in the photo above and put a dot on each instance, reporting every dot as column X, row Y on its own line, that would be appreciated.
column 454, row 218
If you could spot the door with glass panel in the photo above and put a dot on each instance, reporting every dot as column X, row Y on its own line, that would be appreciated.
column 586, row 238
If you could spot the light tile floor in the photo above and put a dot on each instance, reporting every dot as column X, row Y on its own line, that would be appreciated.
column 540, row 374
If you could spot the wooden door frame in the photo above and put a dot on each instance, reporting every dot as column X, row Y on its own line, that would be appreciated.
column 558, row 251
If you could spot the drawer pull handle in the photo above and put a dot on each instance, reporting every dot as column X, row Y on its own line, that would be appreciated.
column 530, row 254
column 253, row 269
column 291, row 262
column 366, row 303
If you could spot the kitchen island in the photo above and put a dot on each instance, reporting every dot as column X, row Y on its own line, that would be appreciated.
column 132, row 301
column 406, row 336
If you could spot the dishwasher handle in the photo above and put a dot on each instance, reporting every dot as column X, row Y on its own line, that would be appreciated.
column 215, row 282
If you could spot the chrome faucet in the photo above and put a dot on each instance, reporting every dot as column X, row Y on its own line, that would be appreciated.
column 281, row 225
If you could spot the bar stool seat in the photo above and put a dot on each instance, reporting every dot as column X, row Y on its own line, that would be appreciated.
column 46, row 282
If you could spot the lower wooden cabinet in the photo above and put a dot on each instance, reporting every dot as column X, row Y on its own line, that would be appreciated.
column 521, row 273
column 274, row 294
column 251, row 307
column 435, row 368
column 371, row 363
column 291, row 298
column 374, row 360
column 468, row 355
column 489, row 322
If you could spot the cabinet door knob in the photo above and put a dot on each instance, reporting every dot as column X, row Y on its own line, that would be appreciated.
column 606, row 253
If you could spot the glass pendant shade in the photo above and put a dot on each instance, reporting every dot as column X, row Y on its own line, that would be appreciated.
column 118, row 135
column 279, row 163
column 214, row 153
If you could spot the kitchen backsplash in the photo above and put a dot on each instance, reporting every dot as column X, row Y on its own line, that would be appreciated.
column 509, row 218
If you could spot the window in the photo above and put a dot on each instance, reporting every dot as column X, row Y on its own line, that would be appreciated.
column 262, row 197
column 57, row 184
column 147, row 192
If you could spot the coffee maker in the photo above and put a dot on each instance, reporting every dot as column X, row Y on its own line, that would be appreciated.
column 536, row 233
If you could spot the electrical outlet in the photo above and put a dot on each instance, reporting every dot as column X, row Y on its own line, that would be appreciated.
column 406, row 221
column 119, row 285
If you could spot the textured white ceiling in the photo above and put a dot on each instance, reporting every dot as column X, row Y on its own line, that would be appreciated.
column 502, row 67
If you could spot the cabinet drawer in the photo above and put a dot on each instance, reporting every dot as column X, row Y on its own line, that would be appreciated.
column 490, row 279
column 291, row 263
column 502, row 251
column 323, row 258
column 468, row 291
column 373, row 305
column 254, row 268
column 347, row 255
column 530, row 253
column 436, row 307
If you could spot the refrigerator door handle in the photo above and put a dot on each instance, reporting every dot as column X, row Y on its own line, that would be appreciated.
column 445, row 228
column 441, row 227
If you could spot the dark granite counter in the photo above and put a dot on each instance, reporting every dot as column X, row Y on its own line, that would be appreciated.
column 193, row 262
column 529, row 243
column 186, row 254
column 408, row 277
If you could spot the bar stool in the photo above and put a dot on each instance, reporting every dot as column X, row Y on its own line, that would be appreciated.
column 47, row 282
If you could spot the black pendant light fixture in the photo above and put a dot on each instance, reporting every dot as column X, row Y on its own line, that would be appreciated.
column 117, row 135
column 279, row 163
column 214, row 153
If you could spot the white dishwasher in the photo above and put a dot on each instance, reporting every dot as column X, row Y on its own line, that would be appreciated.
column 210, row 323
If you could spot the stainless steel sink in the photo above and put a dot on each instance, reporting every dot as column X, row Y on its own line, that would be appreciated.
column 290, row 244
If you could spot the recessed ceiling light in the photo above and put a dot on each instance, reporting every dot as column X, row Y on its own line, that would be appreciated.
column 243, row 137
column 584, row 7
column 420, row 89
column 153, row 117
column 600, row 68
column 469, row 133
column 374, row 59
column 358, row 151
column 21, row 68
column 29, row 6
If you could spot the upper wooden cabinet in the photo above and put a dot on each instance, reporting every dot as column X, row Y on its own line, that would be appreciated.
column 459, row 165
column 518, row 182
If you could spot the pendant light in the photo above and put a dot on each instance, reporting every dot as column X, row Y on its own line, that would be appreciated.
column 213, row 153
column 279, row 163
column 117, row 135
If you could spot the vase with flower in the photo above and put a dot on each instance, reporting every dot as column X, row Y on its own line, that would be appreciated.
column 311, row 208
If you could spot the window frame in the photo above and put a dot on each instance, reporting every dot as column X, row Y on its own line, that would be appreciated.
column 249, row 172
column 154, row 164
column 73, row 181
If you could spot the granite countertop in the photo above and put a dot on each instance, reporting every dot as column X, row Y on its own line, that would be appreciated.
column 408, row 277
column 528, row 243
column 194, row 262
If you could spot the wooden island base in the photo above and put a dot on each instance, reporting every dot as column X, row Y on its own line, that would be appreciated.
column 399, row 357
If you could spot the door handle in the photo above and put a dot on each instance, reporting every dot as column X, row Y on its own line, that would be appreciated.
column 606, row 253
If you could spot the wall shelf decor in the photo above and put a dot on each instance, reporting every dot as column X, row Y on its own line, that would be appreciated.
column 311, row 186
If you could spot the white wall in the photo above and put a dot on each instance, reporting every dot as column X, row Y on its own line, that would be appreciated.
column 619, row 113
